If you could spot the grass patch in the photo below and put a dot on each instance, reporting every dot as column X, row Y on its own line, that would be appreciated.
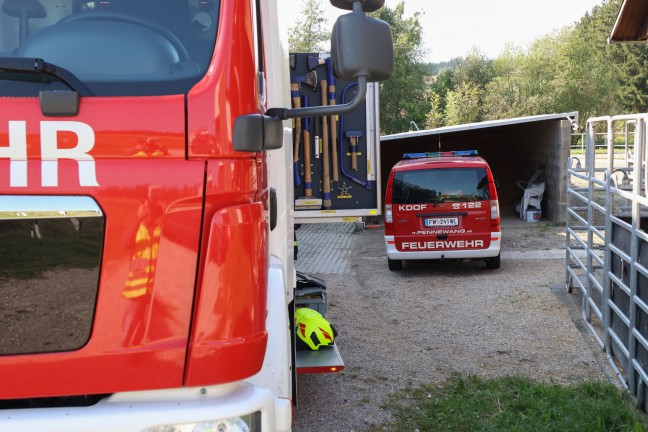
column 577, row 151
column 514, row 404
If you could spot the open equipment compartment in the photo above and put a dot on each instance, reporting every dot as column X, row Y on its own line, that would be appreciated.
column 336, row 159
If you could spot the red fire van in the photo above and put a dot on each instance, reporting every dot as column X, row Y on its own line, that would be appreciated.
column 442, row 206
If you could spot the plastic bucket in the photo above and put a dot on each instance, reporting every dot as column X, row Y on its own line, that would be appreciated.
column 533, row 215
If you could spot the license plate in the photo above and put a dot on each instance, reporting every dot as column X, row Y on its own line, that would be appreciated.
column 441, row 222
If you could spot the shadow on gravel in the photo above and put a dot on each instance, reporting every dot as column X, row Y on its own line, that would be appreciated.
column 446, row 267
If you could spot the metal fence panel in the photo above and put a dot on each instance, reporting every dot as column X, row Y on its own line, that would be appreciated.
column 607, row 243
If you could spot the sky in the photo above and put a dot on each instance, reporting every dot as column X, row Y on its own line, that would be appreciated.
column 451, row 28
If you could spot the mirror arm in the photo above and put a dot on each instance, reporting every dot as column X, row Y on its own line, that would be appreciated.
column 322, row 111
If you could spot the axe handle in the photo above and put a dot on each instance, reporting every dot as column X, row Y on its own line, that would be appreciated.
column 308, row 179
column 296, row 100
column 354, row 155
column 326, row 176
column 318, row 138
column 334, row 151
column 308, row 175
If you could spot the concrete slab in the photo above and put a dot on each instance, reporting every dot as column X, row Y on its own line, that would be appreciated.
column 325, row 248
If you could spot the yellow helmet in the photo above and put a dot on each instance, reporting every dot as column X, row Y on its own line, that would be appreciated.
column 313, row 330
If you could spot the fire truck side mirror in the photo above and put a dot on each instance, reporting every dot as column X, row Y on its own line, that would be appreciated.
column 362, row 50
column 361, row 46
column 367, row 5
column 257, row 132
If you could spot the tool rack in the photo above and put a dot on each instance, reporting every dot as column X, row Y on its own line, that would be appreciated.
column 336, row 159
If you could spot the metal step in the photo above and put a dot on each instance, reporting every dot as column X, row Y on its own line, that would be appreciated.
column 325, row 360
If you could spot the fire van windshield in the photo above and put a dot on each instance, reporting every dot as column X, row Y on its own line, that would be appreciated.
column 440, row 185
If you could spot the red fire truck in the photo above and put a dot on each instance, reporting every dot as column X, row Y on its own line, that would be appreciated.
column 146, row 232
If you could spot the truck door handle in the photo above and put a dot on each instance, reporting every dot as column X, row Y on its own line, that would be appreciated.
column 273, row 208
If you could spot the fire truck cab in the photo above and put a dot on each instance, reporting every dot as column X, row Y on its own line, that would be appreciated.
column 441, row 206
column 146, row 219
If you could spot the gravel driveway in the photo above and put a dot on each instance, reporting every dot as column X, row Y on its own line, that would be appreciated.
column 400, row 329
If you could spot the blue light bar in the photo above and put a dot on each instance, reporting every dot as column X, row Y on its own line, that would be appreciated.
column 440, row 154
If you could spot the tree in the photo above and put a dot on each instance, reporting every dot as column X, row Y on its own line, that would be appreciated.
column 403, row 98
column 463, row 104
column 504, row 94
column 628, row 72
column 588, row 78
column 573, row 69
column 470, row 78
column 474, row 69
column 442, row 83
column 634, row 82
column 436, row 116
column 309, row 33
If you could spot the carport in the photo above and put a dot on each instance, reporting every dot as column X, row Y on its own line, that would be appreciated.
column 514, row 148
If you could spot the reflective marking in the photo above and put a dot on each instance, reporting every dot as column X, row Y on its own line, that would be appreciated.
column 450, row 244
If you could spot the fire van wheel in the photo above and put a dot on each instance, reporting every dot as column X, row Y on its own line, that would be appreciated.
column 394, row 264
column 493, row 263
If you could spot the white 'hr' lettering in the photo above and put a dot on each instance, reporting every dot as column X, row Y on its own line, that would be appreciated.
column 16, row 152
column 50, row 153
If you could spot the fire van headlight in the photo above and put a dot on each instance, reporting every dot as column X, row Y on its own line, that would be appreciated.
column 247, row 423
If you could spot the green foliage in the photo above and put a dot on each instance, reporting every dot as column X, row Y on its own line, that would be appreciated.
column 309, row 33
column 515, row 404
column 573, row 69
column 634, row 85
column 589, row 82
column 435, row 117
column 475, row 70
column 403, row 98
column 463, row 104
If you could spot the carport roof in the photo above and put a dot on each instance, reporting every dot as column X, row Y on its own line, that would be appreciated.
column 632, row 22
column 572, row 116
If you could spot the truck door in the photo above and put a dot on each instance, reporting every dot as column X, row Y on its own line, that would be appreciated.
column 101, row 209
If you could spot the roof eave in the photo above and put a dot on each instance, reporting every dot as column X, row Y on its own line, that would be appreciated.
column 631, row 24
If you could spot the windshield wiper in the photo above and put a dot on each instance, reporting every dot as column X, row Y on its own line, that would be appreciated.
column 36, row 66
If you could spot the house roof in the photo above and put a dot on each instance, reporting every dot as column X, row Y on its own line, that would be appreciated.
column 632, row 22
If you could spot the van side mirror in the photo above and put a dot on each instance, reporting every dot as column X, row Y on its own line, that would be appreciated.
column 362, row 50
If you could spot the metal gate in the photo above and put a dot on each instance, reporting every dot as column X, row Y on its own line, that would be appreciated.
column 607, row 242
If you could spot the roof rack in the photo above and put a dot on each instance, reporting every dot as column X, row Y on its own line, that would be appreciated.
column 440, row 154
